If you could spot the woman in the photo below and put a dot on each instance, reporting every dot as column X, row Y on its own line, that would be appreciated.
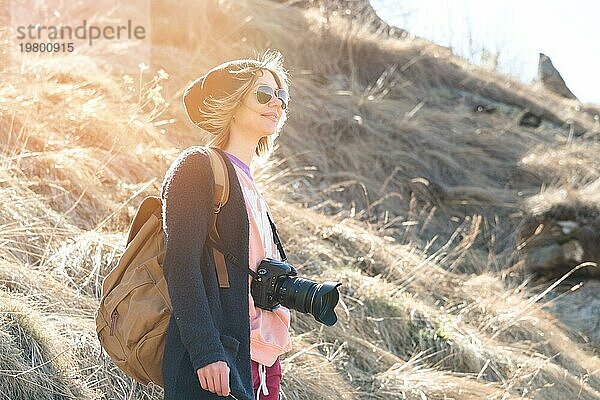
column 219, row 343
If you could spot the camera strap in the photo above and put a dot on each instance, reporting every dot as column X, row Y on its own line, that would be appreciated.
column 276, row 239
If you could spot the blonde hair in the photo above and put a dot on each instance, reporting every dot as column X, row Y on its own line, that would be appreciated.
column 219, row 112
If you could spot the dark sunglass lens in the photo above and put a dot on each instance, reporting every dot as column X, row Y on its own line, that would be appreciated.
column 264, row 94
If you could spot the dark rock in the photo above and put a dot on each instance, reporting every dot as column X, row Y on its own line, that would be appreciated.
column 551, row 78
column 484, row 108
column 563, row 237
column 527, row 118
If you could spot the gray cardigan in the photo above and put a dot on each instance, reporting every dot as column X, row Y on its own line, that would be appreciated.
column 208, row 323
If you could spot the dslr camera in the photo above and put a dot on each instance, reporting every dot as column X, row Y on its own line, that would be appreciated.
column 277, row 283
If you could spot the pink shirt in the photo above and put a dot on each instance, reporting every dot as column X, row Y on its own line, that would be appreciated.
column 269, row 330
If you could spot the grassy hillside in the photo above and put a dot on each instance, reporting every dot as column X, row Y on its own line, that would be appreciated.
column 451, row 230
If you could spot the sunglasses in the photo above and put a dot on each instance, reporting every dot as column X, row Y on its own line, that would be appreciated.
column 264, row 94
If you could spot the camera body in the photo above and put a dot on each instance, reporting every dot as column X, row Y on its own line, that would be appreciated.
column 266, row 286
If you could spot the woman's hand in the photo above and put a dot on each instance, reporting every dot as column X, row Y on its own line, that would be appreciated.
column 215, row 378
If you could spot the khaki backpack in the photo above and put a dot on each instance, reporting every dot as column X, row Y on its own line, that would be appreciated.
column 135, row 308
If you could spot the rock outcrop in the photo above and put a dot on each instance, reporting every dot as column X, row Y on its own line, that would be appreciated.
column 551, row 78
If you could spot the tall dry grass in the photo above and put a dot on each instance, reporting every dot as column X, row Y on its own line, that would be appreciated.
column 383, row 179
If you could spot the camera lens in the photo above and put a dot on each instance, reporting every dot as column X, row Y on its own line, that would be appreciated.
column 307, row 296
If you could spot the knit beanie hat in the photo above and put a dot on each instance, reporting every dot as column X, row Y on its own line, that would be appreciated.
column 217, row 83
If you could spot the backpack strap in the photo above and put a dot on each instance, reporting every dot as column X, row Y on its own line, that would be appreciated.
column 221, row 179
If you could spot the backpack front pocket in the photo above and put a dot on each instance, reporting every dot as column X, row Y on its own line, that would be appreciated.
column 136, row 305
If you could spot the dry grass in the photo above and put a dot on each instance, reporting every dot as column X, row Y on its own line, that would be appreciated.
column 383, row 179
